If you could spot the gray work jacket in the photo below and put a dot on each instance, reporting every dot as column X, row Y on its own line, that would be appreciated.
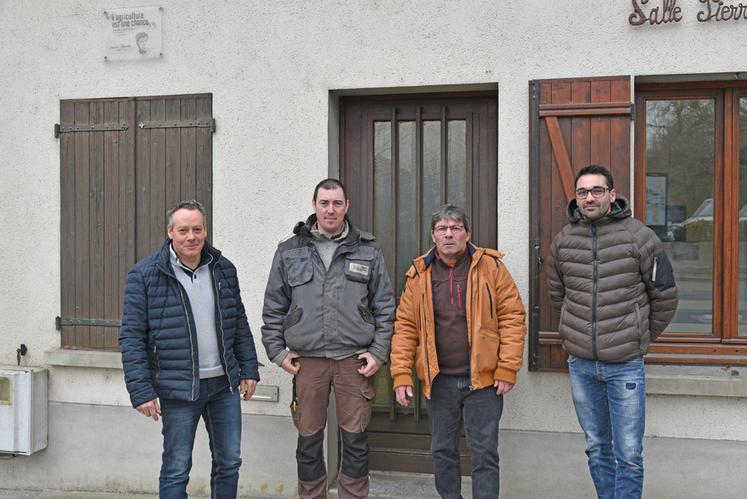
column 331, row 313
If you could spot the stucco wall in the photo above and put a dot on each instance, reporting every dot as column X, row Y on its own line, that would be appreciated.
column 270, row 67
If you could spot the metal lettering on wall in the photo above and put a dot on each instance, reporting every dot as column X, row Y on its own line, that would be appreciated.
column 667, row 11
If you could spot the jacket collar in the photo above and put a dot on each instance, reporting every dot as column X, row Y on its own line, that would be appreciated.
column 618, row 210
column 163, row 257
column 424, row 261
column 303, row 230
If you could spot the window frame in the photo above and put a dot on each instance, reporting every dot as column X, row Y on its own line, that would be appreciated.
column 723, row 345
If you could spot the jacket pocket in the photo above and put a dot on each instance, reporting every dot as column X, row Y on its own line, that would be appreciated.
column 299, row 270
column 420, row 362
column 487, row 351
column 366, row 314
column 490, row 299
column 358, row 270
column 367, row 397
column 292, row 318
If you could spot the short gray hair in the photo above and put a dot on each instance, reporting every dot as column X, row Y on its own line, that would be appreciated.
column 450, row 212
column 190, row 204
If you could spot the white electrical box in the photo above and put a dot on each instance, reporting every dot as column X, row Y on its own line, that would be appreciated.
column 23, row 409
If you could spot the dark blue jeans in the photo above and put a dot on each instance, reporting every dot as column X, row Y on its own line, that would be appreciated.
column 610, row 401
column 452, row 400
column 220, row 408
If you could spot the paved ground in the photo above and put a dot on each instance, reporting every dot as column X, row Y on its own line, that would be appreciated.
column 383, row 486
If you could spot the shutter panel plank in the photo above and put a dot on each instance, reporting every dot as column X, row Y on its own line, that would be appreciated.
column 82, row 236
column 573, row 123
column 142, row 176
column 127, row 198
column 188, row 151
column 111, row 222
column 600, row 126
column 96, row 228
column 172, row 193
column 67, row 219
column 204, row 160
column 157, row 176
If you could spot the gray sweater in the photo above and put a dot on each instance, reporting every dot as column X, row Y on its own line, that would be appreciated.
column 199, row 287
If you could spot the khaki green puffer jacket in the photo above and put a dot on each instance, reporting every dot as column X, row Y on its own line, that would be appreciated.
column 612, row 283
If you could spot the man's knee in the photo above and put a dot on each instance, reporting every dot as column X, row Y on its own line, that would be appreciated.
column 309, row 456
column 355, row 454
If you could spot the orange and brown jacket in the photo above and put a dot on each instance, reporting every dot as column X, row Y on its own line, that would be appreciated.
column 495, row 323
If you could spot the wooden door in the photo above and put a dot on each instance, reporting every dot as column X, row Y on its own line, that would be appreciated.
column 401, row 159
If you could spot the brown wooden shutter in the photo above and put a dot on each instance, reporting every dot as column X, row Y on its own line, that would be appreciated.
column 123, row 163
column 572, row 123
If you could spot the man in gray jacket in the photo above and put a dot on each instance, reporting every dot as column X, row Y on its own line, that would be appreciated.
column 612, row 282
column 328, row 316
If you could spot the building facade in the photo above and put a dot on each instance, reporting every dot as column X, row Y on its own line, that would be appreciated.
column 117, row 111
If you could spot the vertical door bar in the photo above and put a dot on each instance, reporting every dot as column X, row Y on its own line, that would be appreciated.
column 395, row 232
column 444, row 141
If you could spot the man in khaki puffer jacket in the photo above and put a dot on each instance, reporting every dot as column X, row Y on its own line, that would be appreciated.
column 613, row 284
column 460, row 323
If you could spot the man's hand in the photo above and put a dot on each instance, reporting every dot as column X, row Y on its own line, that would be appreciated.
column 502, row 387
column 247, row 387
column 150, row 409
column 291, row 363
column 403, row 394
column 371, row 365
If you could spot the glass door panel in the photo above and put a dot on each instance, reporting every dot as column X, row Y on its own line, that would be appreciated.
column 742, row 313
column 680, row 137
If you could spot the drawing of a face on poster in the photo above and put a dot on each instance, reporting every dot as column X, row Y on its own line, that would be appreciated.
column 141, row 39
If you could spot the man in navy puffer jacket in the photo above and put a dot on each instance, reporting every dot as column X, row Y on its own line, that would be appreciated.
column 188, row 352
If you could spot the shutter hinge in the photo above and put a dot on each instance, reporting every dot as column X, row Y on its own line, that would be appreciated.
column 60, row 322
column 201, row 123
column 101, row 127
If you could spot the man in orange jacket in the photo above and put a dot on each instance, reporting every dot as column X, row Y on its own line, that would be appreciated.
column 461, row 323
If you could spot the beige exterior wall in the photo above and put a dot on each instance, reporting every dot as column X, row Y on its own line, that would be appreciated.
column 271, row 67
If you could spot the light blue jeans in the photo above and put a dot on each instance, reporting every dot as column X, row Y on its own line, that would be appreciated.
column 610, row 402
column 220, row 408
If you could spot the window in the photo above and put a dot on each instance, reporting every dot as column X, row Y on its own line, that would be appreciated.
column 691, row 189
column 123, row 163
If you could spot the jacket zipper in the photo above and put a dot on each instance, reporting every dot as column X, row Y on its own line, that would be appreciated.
column 155, row 355
column 427, row 360
column 594, row 278
column 470, row 330
column 216, row 286
column 189, row 331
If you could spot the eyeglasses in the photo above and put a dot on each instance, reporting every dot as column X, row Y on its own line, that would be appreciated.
column 597, row 192
column 455, row 229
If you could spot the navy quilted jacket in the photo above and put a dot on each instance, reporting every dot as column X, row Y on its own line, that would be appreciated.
column 158, row 339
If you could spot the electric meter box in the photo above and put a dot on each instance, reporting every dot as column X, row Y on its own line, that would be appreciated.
column 23, row 409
